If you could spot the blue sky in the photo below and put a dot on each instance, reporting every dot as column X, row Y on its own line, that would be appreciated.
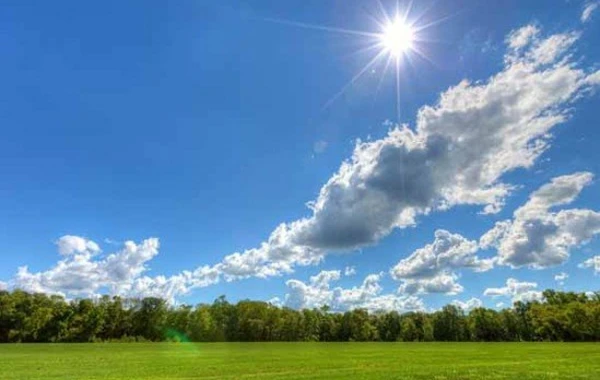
column 208, row 124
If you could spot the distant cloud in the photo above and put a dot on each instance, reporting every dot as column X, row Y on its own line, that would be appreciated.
column 319, row 146
column 79, row 273
column 112, row 241
column 432, row 269
column 592, row 263
column 561, row 277
column 69, row 245
column 537, row 237
column 588, row 10
column 349, row 271
column 470, row 304
column 516, row 290
column 318, row 292
column 522, row 37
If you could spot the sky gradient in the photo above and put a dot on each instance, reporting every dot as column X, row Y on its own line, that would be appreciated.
column 203, row 148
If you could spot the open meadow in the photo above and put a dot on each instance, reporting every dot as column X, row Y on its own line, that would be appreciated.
column 300, row 361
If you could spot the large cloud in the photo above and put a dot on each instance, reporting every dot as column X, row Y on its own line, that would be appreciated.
column 538, row 237
column 456, row 154
column 81, row 272
column 432, row 269
column 516, row 290
column 318, row 292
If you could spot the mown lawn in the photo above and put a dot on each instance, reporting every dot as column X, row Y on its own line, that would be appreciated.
column 301, row 361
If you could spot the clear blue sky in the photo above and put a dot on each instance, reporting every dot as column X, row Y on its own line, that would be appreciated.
column 206, row 124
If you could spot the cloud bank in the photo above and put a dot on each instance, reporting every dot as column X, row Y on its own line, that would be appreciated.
column 318, row 292
column 538, row 237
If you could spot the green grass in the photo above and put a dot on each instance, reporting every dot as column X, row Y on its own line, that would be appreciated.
column 301, row 361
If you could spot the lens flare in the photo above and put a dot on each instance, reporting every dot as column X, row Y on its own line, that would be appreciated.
column 397, row 38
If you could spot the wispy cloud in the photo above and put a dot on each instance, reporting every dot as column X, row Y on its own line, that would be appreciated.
column 588, row 9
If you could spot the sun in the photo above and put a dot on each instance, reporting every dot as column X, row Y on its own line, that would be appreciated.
column 398, row 43
column 397, row 37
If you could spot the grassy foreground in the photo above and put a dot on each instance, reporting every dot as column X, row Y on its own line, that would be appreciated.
column 301, row 361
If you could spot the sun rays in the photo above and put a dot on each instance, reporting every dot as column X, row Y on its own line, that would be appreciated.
column 397, row 40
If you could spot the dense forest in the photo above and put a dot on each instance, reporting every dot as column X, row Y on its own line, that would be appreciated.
column 26, row 317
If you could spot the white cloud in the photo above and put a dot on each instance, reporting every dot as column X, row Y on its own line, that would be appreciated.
column 79, row 272
column 318, row 292
column 431, row 269
column 69, row 245
column 275, row 301
column 500, row 305
column 522, row 37
column 593, row 263
column 561, row 277
column 588, row 10
column 516, row 290
column 349, row 271
column 472, row 303
column 3, row 285
column 538, row 237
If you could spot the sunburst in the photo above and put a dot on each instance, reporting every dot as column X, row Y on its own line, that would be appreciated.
column 397, row 41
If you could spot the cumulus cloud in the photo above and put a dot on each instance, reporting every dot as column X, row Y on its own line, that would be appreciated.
column 81, row 273
column 432, row 268
column 3, row 285
column 70, row 244
column 471, row 303
column 519, row 38
column 349, row 271
column 538, row 237
column 318, row 292
column 456, row 154
column 516, row 290
column 561, row 277
column 592, row 263
column 588, row 10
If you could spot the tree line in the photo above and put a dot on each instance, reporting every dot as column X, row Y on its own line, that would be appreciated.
column 26, row 317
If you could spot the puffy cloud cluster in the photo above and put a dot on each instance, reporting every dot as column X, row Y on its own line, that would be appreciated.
column 81, row 272
column 538, row 237
column 593, row 263
column 516, row 290
column 472, row 303
column 432, row 268
column 318, row 292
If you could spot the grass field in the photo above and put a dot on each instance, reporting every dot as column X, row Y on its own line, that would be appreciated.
column 301, row 361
